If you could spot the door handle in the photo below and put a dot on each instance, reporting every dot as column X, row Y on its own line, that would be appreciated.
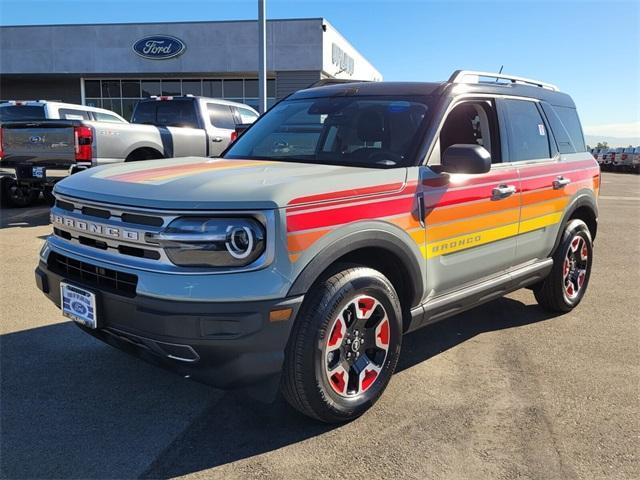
column 216, row 139
column 502, row 191
column 560, row 182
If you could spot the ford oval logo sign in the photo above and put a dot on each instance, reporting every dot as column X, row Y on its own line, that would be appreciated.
column 159, row 47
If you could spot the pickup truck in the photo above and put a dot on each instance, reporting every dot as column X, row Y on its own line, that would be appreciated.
column 43, row 142
column 343, row 218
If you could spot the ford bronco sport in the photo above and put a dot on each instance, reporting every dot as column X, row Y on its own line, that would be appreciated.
column 346, row 216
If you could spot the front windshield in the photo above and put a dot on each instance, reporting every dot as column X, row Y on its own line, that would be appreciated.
column 359, row 131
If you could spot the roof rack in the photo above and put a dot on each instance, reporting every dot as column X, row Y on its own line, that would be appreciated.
column 334, row 81
column 471, row 76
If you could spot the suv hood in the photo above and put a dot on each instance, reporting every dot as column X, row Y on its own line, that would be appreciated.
column 197, row 183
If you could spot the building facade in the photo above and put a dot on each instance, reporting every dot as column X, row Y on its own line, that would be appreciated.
column 114, row 65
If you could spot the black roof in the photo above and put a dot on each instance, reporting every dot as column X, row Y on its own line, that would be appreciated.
column 435, row 89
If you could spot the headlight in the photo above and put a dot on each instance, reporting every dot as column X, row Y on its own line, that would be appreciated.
column 212, row 242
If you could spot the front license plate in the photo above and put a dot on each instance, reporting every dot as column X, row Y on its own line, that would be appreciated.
column 38, row 172
column 78, row 304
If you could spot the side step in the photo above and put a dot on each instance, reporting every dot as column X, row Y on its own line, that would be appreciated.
column 450, row 304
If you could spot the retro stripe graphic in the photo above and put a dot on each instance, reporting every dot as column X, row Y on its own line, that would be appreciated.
column 460, row 215
column 164, row 174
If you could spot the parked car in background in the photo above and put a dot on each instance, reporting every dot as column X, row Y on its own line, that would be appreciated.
column 623, row 160
column 17, row 110
column 598, row 154
column 614, row 158
column 45, row 144
column 605, row 164
column 635, row 160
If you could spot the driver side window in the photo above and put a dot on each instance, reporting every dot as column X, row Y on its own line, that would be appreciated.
column 470, row 123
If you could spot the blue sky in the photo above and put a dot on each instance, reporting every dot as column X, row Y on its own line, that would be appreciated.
column 591, row 49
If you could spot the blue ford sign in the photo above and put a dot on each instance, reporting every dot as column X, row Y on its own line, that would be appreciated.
column 159, row 47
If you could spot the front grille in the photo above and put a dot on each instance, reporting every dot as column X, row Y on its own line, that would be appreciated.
column 92, row 275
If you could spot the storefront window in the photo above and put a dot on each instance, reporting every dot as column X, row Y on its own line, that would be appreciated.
column 92, row 88
column 171, row 87
column 131, row 88
column 111, row 89
column 150, row 87
column 233, row 89
column 192, row 87
column 212, row 88
column 121, row 96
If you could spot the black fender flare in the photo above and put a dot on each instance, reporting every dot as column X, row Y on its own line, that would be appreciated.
column 582, row 200
column 369, row 238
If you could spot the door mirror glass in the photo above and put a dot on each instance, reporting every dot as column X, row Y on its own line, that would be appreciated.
column 466, row 158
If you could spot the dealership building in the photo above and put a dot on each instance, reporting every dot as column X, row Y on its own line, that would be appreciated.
column 114, row 65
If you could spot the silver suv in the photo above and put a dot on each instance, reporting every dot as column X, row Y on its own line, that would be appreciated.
column 343, row 218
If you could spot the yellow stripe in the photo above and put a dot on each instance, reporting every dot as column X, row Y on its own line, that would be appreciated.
column 483, row 237
column 540, row 222
column 470, row 240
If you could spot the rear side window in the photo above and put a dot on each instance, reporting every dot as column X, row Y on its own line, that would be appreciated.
column 570, row 120
column 527, row 133
column 106, row 117
column 177, row 113
column 73, row 114
column 145, row 112
column 246, row 115
column 221, row 116
column 171, row 113
column 560, row 133
column 21, row 112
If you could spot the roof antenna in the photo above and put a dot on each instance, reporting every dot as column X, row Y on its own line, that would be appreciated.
column 501, row 67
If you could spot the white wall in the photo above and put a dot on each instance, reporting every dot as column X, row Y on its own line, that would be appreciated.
column 362, row 69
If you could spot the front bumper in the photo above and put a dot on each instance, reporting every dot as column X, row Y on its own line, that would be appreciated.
column 224, row 344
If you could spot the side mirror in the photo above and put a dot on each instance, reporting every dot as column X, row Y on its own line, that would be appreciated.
column 466, row 158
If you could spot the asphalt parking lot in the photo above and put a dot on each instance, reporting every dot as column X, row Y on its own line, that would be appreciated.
column 503, row 391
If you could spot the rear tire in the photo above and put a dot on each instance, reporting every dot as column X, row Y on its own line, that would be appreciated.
column 19, row 196
column 567, row 282
column 344, row 346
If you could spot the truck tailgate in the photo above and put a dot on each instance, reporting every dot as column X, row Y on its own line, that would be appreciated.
column 49, row 144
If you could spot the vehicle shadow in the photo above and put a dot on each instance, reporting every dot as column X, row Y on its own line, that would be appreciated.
column 75, row 408
column 439, row 337
column 36, row 215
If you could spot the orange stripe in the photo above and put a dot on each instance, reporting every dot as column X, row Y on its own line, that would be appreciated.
column 466, row 210
column 294, row 257
column 537, row 196
column 544, row 208
column 484, row 222
column 405, row 222
column 301, row 241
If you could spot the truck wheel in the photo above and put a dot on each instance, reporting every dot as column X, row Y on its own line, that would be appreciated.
column 344, row 346
column 19, row 196
column 565, row 286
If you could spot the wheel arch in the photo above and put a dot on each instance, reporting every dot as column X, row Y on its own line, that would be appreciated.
column 378, row 249
column 583, row 207
column 144, row 152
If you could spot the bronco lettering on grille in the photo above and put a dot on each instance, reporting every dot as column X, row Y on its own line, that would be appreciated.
column 95, row 228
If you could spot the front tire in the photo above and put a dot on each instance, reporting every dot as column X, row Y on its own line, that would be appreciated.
column 344, row 346
column 567, row 283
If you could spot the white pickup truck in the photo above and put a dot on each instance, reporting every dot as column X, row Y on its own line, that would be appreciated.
column 41, row 142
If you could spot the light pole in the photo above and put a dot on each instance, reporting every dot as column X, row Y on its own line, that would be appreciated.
column 262, row 57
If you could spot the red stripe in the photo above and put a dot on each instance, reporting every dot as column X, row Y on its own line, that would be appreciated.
column 347, row 201
column 342, row 194
column 470, row 180
column 533, row 170
column 547, row 181
column 339, row 216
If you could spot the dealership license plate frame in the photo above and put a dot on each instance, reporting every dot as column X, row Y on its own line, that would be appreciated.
column 79, row 305
column 39, row 173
